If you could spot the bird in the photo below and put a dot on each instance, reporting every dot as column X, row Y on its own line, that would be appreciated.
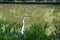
column 23, row 23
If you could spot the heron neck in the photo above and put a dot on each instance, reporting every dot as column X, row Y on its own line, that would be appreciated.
column 23, row 21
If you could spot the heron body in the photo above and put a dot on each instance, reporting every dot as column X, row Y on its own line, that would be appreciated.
column 23, row 18
column 22, row 29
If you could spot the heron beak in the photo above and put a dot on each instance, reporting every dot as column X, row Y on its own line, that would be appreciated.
column 29, row 16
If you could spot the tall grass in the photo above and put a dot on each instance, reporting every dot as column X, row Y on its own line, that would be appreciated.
column 36, row 32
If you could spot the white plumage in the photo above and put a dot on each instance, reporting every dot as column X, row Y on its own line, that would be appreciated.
column 23, row 18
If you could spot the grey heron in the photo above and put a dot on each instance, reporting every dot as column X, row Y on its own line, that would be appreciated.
column 23, row 18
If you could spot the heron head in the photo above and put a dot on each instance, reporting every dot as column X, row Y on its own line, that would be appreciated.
column 25, row 16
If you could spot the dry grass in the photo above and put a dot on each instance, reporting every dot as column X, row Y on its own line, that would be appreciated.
column 39, row 13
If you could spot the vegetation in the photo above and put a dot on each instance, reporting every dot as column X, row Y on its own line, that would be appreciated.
column 40, row 14
column 33, row 0
column 36, row 32
column 44, row 23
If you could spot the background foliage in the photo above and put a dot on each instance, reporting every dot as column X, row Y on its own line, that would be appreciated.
column 39, row 13
column 33, row 0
